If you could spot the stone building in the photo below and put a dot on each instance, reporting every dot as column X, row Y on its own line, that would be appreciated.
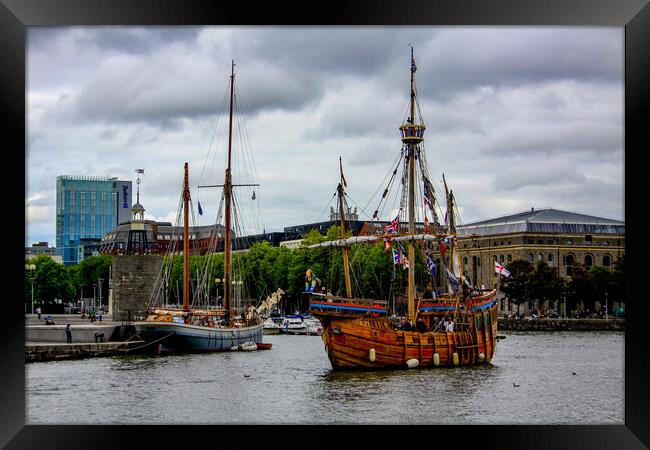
column 559, row 238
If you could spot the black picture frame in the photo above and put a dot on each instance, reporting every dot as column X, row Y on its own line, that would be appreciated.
column 634, row 15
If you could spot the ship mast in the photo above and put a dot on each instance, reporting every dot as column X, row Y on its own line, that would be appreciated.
column 346, row 263
column 186, row 242
column 412, row 135
column 227, row 193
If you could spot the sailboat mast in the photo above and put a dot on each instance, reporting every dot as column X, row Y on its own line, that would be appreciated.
column 411, row 201
column 227, row 193
column 346, row 259
column 186, row 241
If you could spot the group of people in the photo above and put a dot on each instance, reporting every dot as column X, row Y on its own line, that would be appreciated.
column 446, row 324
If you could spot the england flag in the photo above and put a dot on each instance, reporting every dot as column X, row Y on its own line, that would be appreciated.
column 498, row 268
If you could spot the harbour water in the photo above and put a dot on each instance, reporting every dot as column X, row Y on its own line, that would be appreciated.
column 563, row 378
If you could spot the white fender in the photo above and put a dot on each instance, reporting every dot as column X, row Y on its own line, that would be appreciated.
column 412, row 363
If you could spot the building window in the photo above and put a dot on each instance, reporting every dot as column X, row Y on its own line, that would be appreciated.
column 607, row 261
column 605, row 243
column 540, row 257
column 589, row 260
column 501, row 258
column 568, row 262
column 530, row 257
column 465, row 260
column 550, row 257
column 509, row 258
column 529, row 241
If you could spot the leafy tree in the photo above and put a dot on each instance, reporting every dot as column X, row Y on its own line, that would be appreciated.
column 545, row 285
column 51, row 281
column 516, row 286
column 580, row 289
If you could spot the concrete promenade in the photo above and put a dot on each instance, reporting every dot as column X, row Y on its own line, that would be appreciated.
column 49, row 342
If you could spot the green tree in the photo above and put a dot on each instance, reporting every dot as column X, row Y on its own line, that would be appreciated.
column 580, row 290
column 51, row 281
column 545, row 285
column 516, row 286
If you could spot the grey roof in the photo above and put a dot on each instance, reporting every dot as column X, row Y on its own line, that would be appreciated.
column 544, row 221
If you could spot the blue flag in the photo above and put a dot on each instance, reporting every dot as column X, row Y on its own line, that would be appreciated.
column 431, row 266
column 452, row 279
column 200, row 210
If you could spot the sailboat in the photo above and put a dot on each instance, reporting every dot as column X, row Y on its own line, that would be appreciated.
column 456, row 327
column 203, row 327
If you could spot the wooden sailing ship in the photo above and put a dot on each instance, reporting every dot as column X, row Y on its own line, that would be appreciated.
column 364, row 333
column 202, row 328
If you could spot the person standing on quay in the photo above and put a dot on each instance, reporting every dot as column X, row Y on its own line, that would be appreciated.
column 68, row 334
column 38, row 311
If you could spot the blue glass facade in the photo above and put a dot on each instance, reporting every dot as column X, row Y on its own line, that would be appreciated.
column 86, row 208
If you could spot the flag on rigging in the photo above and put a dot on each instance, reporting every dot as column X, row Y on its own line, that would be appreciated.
column 392, row 228
column 395, row 257
column 452, row 279
column 431, row 266
column 200, row 209
column 253, row 197
column 413, row 67
column 428, row 193
column 404, row 261
column 498, row 268
column 387, row 243
column 426, row 224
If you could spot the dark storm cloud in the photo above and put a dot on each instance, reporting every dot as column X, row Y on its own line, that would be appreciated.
column 156, row 75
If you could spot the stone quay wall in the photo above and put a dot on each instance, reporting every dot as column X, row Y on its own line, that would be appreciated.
column 527, row 324
column 134, row 277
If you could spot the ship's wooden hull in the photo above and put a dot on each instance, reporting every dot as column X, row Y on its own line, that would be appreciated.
column 367, row 342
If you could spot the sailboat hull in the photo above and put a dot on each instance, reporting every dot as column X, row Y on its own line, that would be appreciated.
column 171, row 337
column 368, row 342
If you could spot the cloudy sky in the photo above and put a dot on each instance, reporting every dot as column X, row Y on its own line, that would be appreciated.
column 517, row 117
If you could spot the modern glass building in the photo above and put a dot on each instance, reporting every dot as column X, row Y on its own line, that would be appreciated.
column 86, row 208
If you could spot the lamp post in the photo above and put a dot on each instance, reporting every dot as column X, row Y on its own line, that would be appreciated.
column 101, row 305
column 32, row 268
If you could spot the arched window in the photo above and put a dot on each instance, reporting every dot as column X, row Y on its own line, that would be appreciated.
column 531, row 257
column 589, row 260
column 509, row 258
column 607, row 261
column 465, row 260
column 540, row 257
column 550, row 257
column 568, row 262
column 501, row 259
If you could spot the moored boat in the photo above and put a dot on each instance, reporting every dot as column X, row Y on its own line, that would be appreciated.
column 203, row 328
column 455, row 325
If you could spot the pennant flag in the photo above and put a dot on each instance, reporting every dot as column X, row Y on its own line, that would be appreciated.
column 413, row 66
column 253, row 197
column 387, row 243
column 426, row 224
column 395, row 257
column 443, row 248
column 431, row 266
column 200, row 209
column 429, row 198
column 498, row 268
column 392, row 227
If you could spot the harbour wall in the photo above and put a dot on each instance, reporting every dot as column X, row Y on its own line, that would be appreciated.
column 545, row 324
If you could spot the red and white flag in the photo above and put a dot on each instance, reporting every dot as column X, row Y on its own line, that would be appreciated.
column 387, row 243
column 498, row 268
